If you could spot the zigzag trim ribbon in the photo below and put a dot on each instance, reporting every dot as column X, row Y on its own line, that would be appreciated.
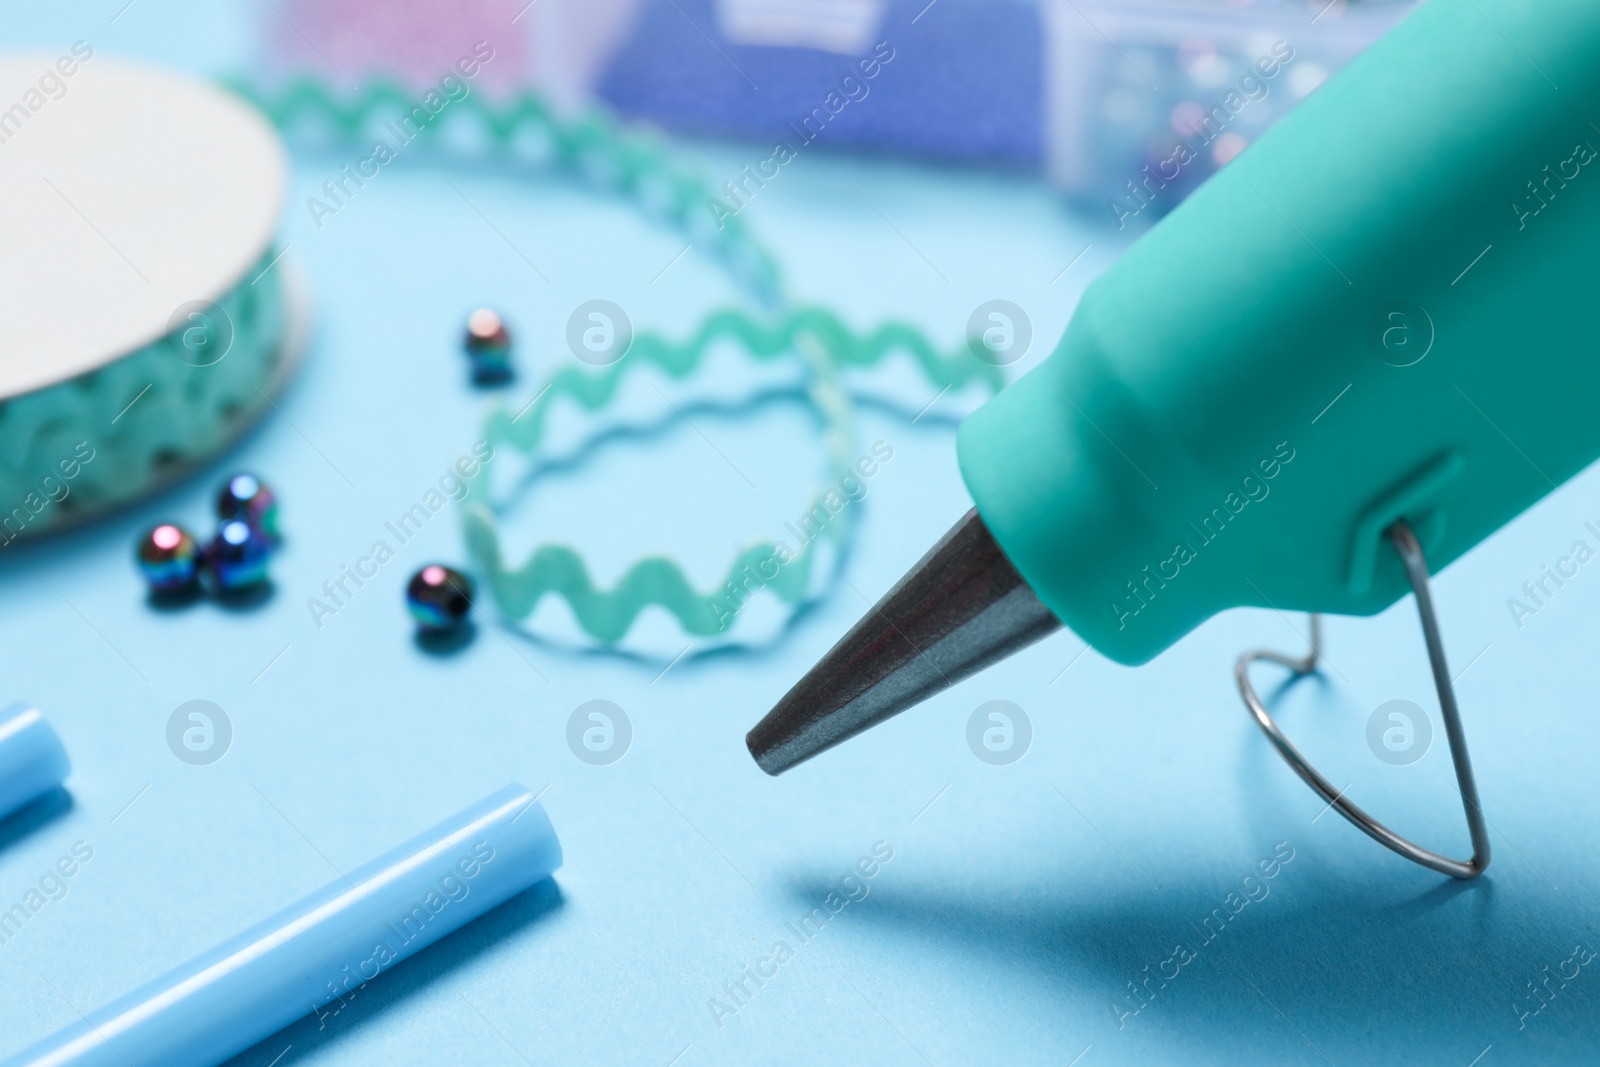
column 825, row 344
column 594, row 148
column 590, row 144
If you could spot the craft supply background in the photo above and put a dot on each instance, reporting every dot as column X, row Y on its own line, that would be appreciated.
column 1021, row 901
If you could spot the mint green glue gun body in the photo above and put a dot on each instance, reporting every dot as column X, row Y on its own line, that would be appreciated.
column 1409, row 260
column 1385, row 311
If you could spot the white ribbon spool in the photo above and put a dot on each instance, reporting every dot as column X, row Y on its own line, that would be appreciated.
column 144, row 319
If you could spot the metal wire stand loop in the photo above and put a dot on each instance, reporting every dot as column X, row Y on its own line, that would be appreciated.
column 1410, row 552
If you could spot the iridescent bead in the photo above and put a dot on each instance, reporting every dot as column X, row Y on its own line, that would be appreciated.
column 168, row 558
column 488, row 347
column 439, row 597
column 248, row 498
column 237, row 557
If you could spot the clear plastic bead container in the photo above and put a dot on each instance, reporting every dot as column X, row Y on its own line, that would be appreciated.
column 1146, row 100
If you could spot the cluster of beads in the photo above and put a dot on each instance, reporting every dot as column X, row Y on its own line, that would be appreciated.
column 172, row 561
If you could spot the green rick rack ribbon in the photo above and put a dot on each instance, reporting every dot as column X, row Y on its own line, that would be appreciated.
column 593, row 148
column 825, row 344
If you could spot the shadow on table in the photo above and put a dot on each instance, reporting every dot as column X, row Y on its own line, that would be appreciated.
column 1359, row 974
column 1351, row 956
column 445, row 643
column 380, row 998
column 33, row 815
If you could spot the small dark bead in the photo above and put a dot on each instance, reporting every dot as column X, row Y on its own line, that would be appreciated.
column 168, row 558
column 247, row 498
column 237, row 557
column 488, row 347
column 439, row 597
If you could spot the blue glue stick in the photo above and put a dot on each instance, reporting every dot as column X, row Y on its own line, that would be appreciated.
column 32, row 761
column 320, row 950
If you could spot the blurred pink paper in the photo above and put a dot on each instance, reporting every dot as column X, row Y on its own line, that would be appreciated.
column 558, row 46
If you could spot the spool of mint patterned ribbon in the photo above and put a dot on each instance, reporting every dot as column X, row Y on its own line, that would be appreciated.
column 147, row 319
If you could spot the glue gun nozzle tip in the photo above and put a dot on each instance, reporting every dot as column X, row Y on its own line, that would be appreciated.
column 960, row 609
column 760, row 755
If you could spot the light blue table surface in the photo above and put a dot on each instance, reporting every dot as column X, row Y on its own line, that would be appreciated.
column 1020, row 902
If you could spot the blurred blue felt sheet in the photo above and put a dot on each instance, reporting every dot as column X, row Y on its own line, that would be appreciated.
column 1019, row 903
column 967, row 84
